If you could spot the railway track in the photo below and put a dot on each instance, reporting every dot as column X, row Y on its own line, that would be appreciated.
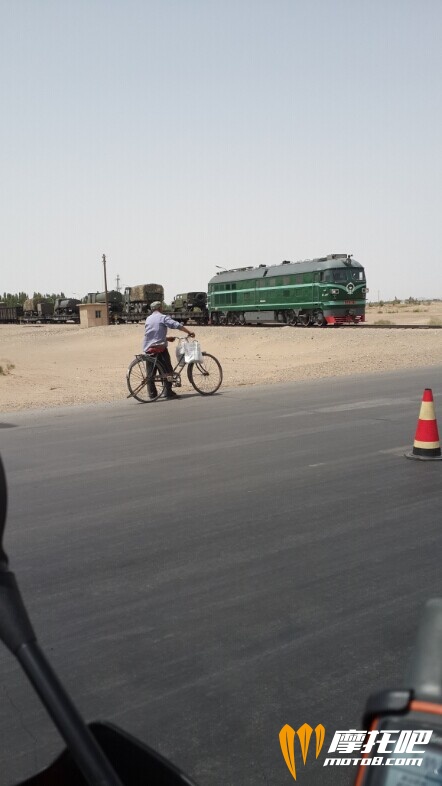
column 396, row 327
column 363, row 326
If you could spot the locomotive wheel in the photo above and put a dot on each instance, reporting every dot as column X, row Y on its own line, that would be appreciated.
column 304, row 320
column 319, row 319
column 232, row 319
column 291, row 317
column 206, row 376
column 242, row 320
column 222, row 319
column 137, row 377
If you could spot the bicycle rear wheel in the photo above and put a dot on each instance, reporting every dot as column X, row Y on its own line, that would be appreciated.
column 141, row 372
column 205, row 376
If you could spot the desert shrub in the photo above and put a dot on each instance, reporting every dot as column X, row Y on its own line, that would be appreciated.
column 5, row 370
column 435, row 322
column 383, row 322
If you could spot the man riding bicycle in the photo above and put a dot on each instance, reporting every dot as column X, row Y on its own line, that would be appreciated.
column 155, row 342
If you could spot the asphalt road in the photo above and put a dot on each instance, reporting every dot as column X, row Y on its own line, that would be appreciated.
column 203, row 572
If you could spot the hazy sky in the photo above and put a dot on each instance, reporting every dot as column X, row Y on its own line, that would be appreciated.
column 176, row 135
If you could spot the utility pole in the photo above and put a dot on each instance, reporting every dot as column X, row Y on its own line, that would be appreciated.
column 105, row 290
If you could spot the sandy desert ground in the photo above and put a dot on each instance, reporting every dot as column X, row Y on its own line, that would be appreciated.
column 51, row 365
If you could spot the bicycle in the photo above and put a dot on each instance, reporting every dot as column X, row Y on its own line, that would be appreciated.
column 146, row 370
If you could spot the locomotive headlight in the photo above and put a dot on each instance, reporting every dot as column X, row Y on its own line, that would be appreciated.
column 334, row 291
column 364, row 290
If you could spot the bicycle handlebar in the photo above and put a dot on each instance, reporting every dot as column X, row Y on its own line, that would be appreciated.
column 180, row 338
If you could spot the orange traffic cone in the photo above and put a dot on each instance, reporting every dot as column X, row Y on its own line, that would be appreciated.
column 426, row 441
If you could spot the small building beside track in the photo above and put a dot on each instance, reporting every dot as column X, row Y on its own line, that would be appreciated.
column 92, row 315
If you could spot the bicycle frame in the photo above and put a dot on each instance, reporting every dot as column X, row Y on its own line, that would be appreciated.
column 165, row 375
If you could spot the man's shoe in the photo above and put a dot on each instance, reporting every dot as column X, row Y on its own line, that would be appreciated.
column 172, row 394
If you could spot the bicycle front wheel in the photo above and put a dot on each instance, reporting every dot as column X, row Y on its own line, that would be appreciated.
column 144, row 380
column 205, row 376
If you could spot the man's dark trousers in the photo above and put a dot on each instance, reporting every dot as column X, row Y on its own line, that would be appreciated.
column 165, row 365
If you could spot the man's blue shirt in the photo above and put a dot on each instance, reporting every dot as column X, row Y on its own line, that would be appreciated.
column 155, row 330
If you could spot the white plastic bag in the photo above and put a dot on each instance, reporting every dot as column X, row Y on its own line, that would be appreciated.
column 192, row 352
column 180, row 350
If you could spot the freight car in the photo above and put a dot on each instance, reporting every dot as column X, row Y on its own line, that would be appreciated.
column 329, row 290
column 37, row 310
column 66, row 310
column 137, row 300
column 114, row 302
column 10, row 313
column 190, row 306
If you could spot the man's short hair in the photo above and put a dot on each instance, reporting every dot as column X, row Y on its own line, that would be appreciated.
column 156, row 305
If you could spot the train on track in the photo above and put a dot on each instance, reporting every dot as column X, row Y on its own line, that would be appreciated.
column 329, row 290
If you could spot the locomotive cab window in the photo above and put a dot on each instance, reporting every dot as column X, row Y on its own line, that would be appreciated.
column 342, row 275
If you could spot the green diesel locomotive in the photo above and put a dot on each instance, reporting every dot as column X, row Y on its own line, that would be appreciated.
column 330, row 290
